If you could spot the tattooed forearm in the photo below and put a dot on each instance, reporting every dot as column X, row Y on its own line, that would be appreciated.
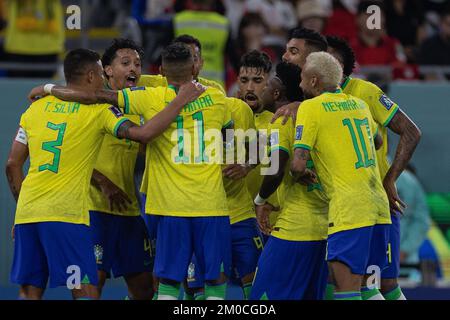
column 272, row 182
column 124, row 131
column 410, row 135
column 85, row 96
column 107, row 96
column 298, row 166
column 303, row 154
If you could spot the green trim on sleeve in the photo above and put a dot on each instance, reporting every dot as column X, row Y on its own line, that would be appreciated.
column 280, row 148
column 171, row 86
column 302, row 146
column 345, row 83
column 388, row 120
column 126, row 100
column 118, row 124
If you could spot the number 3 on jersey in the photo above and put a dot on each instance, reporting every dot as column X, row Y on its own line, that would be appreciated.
column 51, row 146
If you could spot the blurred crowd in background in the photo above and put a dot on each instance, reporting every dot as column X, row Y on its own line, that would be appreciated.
column 413, row 39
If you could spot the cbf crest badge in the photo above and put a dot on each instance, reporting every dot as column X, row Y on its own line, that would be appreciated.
column 191, row 272
column 98, row 251
column 386, row 102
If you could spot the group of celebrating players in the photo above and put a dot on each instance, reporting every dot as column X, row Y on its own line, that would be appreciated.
column 312, row 228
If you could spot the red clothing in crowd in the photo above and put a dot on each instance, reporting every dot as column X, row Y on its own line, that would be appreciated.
column 341, row 23
column 387, row 52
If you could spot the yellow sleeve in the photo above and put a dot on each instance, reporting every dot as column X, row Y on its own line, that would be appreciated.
column 306, row 126
column 112, row 119
column 227, row 119
column 280, row 138
column 152, row 81
column 241, row 114
column 381, row 106
column 23, row 121
column 211, row 83
column 136, row 100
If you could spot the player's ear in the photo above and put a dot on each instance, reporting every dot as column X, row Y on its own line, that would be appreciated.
column 276, row 94
column 108, row 71
column 91, row 76
column 314, row 82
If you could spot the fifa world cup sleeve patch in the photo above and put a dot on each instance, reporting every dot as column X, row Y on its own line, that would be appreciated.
column 22, row 136
column 386, row 102
column 116, row 111
column 299, row 132
column 137, row 88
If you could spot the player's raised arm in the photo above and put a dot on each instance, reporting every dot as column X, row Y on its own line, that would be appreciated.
column 161, row 121
column 14, row 165
column 74, row 94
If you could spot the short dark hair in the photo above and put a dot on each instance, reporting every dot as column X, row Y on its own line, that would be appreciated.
column 345, row 51
column 117, row 44
column 188, row 39
column 290, row 76
column 176, row 52
column 256, row 59
column 311, row 37
column 77, row 61
column 445, row 12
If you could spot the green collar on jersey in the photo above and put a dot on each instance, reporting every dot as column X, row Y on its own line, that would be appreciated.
column 338, row 90
column 345, row 82
column 171, row 86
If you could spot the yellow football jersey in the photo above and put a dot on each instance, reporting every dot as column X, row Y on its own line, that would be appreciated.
column 339, row 130
column 255, row 178
column 240, row 202
column 117, row 160
column 63, row 140
column 304, row 216
column 183, row 164
column 382, row 109
column 158, row 80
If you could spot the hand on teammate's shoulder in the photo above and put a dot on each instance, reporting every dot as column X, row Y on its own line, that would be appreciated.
column 190, row 91
column 36, row 93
